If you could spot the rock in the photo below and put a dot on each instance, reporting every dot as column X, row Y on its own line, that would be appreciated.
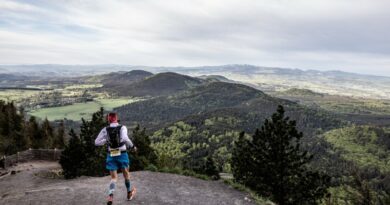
column 152, row 188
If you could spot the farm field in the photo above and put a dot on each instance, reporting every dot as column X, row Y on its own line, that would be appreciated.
column 79, row 110
column 16, row 95
column 337, row 103
column 82, row 86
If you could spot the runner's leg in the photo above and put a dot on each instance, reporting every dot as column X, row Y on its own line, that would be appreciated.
column 114, row 178
column 126, row 175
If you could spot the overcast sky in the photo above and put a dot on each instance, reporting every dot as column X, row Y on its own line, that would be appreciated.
column 348, row 35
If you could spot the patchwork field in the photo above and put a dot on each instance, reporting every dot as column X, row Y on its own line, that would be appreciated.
column 16, row 95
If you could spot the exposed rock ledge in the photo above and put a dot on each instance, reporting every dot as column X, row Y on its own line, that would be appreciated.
column 29, row 186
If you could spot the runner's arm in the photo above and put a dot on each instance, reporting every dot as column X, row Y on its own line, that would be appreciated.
column 101, row 139
column 125, row 137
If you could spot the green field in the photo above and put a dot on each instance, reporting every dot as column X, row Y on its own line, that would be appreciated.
column 337, row 104
column 16, row 95
column 78, row 110
column 82, row 86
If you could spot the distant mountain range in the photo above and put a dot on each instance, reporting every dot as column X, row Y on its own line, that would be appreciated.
column 264, row 78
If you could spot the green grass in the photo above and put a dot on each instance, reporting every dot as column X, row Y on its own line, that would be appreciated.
column 78, row 110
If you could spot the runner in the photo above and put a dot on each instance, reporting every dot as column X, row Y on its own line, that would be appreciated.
column 115, row 136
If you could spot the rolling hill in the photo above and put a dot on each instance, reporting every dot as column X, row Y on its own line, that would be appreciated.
column 161, row 84
column 119, row 82
column 168, row 109
column 117, row 79
column 249, row 105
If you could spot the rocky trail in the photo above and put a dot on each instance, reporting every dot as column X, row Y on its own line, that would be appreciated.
column 36, row 183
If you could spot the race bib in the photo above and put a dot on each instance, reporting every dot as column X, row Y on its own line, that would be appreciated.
column 115, row 152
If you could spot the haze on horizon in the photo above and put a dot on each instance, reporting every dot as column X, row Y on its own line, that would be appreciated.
column 344, row 35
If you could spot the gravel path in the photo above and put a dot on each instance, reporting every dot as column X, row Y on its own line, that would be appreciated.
column 29, row 187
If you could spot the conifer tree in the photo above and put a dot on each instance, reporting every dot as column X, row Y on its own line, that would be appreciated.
column 210, row 169
column 23, row 142
column 95, row 156
column 241, row 158
column 73, row 157
column 34, row 133
column 11, row 129
column 47, row 135
column 59, row 138
column 273, row 164
column 145, row 154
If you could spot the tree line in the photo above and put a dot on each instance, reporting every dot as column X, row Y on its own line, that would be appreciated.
column 19, row 134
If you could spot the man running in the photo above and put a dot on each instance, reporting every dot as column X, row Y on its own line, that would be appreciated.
column 115, row 136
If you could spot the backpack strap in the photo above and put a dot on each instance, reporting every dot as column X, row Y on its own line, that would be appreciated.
column 120, row 137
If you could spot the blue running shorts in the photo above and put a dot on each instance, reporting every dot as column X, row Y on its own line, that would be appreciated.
column 118, row 162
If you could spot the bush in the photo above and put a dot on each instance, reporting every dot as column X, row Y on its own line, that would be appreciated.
column 151, row 167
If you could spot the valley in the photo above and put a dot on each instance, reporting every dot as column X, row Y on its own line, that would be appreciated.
column 193, row 113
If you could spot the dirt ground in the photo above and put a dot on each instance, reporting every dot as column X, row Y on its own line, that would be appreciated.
column 35, row 183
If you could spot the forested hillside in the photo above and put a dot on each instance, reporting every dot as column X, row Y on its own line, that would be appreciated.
column 362, row 173
column 245, row 104
column 144, row 84
column 116, row 82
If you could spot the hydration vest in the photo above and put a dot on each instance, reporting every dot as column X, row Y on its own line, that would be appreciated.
column 114, row 137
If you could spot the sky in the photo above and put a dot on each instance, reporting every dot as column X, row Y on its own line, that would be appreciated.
column 347, row 35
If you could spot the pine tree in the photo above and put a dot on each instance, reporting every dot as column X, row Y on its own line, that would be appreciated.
column 210, row 169
column 95, row 156
column 145, row 154
column 47, row 135
column 241, row 158
column 23, row 142
column 273, row 164
column 11, row 129
column 34, row 133
column 73, row 157
column 81, row 156
column 59, row 138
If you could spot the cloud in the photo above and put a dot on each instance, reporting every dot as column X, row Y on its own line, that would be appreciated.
column 15, row 6
column 309, row 34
